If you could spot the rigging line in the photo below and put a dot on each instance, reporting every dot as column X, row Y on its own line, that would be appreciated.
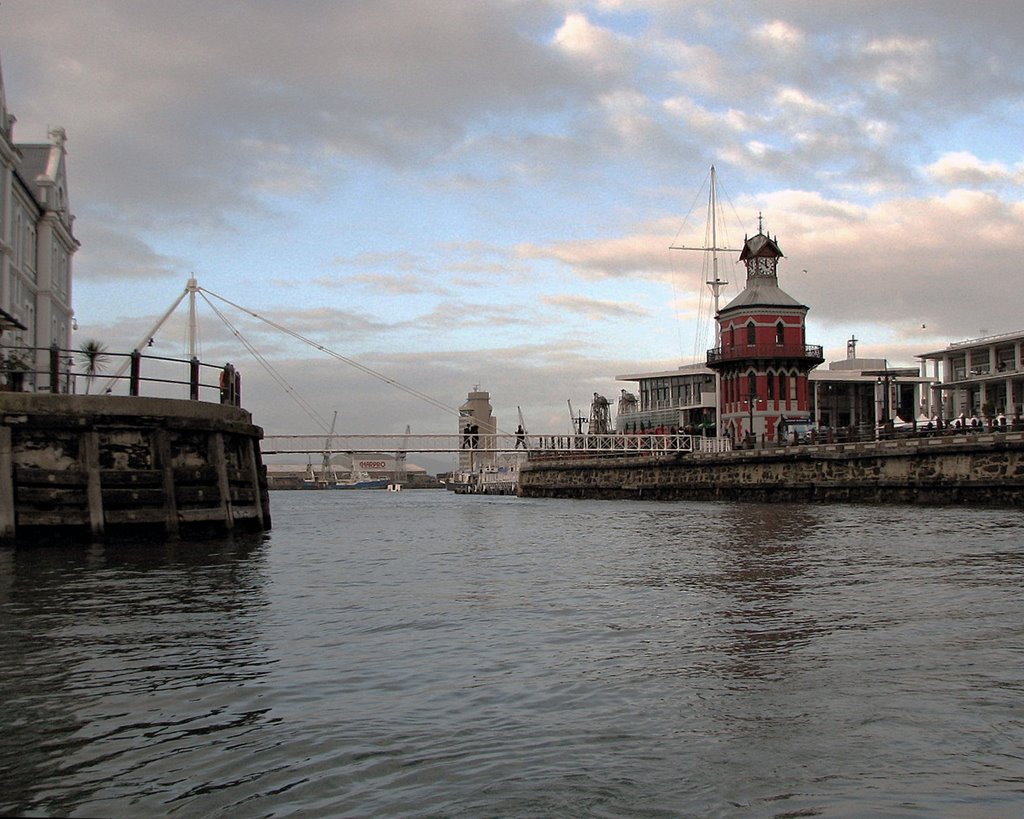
column 708, row 273
column 675, row 304
column 361, row 367
column 699, row 334
column 736, row 216
column 689, row 213
column 290, row 391
column 308, row 408
column 700, row 290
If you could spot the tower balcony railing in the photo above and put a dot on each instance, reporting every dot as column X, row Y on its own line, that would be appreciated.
column 737, row 352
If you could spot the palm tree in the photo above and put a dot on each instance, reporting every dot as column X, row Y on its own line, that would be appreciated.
column 93, row 355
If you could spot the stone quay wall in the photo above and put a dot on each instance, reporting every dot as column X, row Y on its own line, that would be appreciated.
column 92, row 466
column 982, row 469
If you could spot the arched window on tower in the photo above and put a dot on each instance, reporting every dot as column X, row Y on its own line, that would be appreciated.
column 751, row 334
column 771, row 385
column 780, row 333
column 751, row 384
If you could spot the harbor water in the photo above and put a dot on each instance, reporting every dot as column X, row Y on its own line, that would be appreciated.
column 430, row 654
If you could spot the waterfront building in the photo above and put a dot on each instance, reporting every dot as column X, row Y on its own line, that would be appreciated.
column 981, row 377
column 863, row 394
column 350, row 466
column 476, row 421
column 36, row 245
column 680, row 399
column 763, row 360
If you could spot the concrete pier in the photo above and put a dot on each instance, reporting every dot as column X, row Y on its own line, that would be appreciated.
column 93, row 466
column 983, row 469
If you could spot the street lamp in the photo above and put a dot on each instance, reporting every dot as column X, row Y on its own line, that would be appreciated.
column 885, row 384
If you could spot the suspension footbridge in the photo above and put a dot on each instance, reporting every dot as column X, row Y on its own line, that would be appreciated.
column 500, row 443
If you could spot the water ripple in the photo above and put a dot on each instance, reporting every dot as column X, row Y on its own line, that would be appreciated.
column 432, row 655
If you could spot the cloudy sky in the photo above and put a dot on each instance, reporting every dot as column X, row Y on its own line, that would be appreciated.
column 458, row 192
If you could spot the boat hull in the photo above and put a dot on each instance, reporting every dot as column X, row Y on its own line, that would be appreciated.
column 382, row 483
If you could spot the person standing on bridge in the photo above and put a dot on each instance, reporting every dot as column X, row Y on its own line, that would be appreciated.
column 520, row 437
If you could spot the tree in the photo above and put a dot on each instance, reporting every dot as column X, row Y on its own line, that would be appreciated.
column 93, row 355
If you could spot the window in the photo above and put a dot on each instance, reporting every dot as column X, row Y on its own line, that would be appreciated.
column 30, row 252
column 18, row 240
column 780, row 333
column 751, row 333
column 751, row 384
column 959, row 366
column 771, row 385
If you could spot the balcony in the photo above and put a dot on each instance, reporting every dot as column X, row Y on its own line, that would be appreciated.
column 747, row 352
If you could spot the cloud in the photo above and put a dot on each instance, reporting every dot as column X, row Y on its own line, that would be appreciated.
column 597, row 46
column 643, row 255
column 796, row 101
column 901, row 263
column 901, row 63
column 958, row 168
column 596, row 309
column 111, row 254
column 183, row 114
column 399, row 285
column 778, row 34
column 896, row 263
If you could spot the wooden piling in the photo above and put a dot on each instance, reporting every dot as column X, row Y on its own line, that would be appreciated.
column 6, row 486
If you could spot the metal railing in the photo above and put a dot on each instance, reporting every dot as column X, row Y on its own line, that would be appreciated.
column 500, row 443
column 741, row 351
column 132, row 373
column 867, row 433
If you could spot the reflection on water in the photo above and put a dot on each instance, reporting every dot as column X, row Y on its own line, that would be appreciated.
column 431, row 654
column 103, row 645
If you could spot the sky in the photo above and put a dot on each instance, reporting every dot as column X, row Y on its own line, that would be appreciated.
column 461, row 194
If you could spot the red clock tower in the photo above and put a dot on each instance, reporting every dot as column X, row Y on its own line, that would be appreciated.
column 763, row 360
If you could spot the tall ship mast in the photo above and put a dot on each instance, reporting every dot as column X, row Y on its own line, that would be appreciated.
column 716, row 282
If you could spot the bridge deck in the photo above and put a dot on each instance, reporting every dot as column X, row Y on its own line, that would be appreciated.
column 499, row 443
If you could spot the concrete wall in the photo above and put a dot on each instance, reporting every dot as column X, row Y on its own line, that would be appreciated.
column 985, row 469
column 95, row 465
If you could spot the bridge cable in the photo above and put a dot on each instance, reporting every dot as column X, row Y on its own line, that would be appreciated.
column 334, row 354
column 289, row 390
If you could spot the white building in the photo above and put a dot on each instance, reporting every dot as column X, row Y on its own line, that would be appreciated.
column 679, row 399
column 865, row 393
column 981, row 377
column 36, row 247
